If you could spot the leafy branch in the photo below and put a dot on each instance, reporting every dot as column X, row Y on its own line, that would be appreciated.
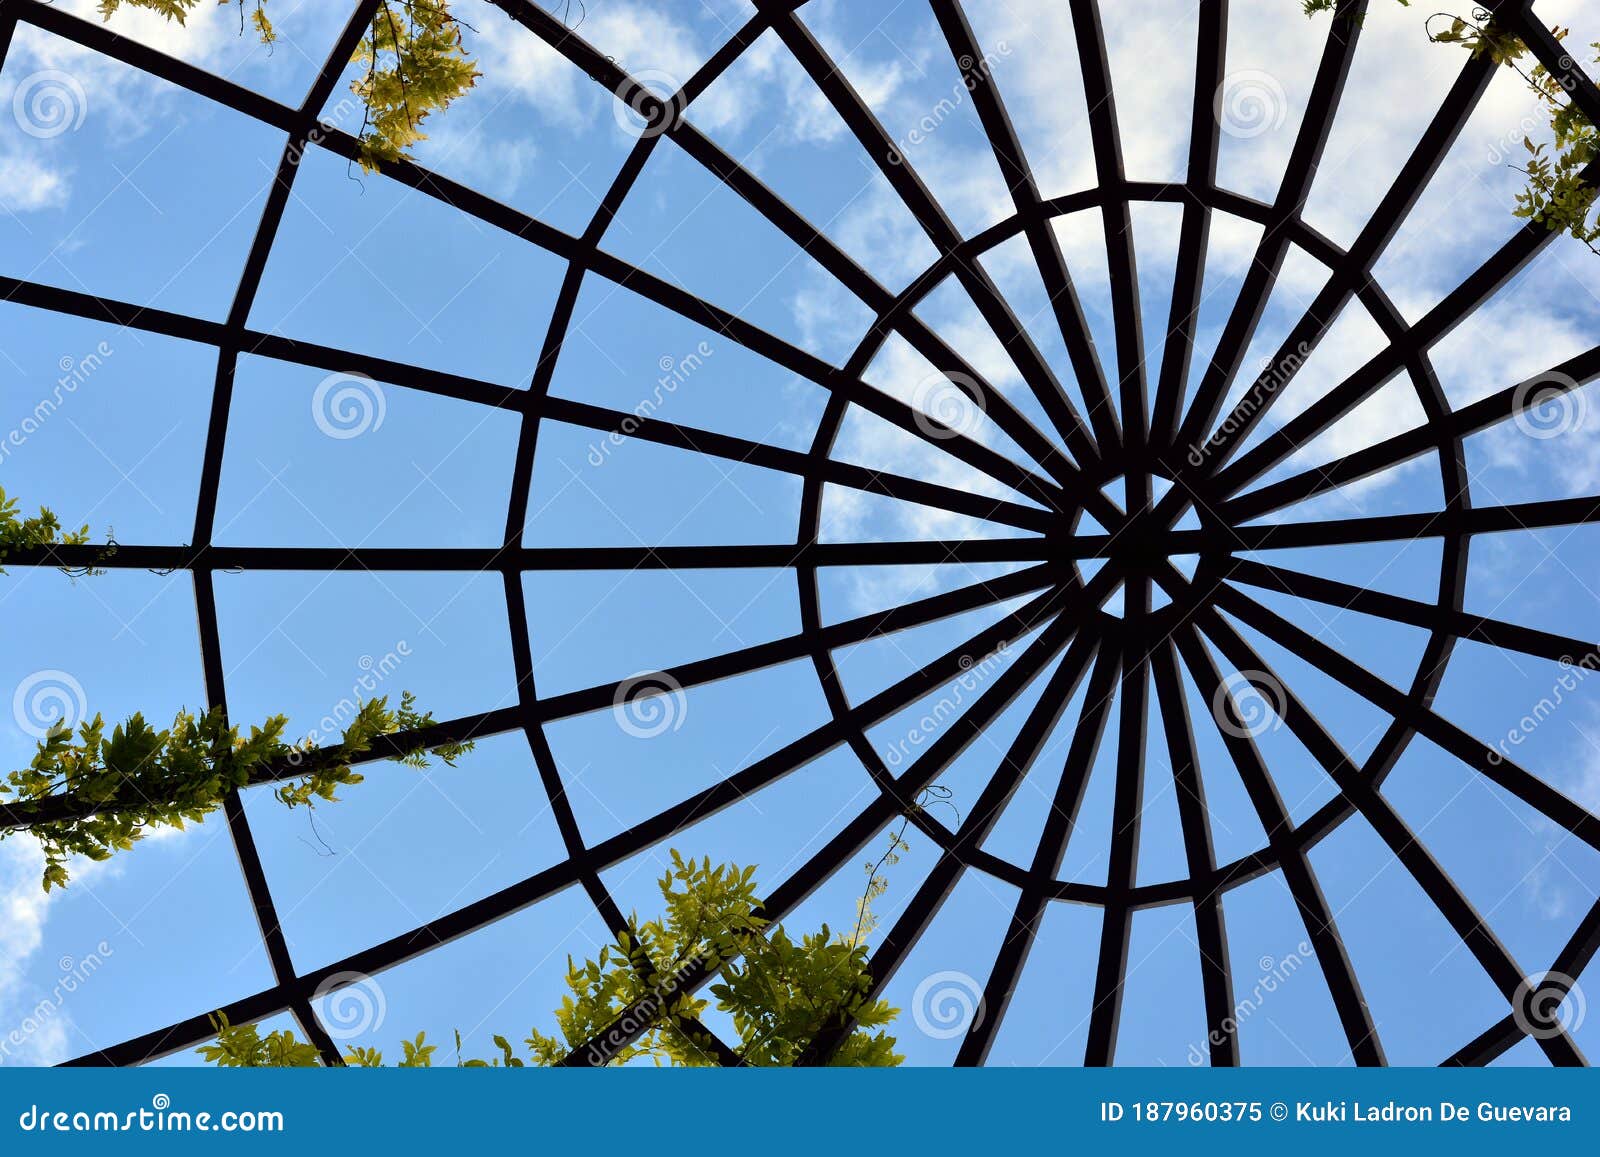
column 786, row 992
column 92, row 795
column 413, row 60
column 1559, row 193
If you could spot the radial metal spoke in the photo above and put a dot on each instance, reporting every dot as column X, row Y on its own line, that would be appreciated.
column 1121, row 263
column 1195, row 820
column 1343, row 31
column 1111, row 972
column 1495, row 765
column 927, row 552
column 1569, row 964
column 1542, row 389
column 1188, row 281
column 1014, row 766
column 861, row 121
column 1482, row 284
column 1351, row 1006
column 1355, row 270
column 813, row 241
column 1429, row 616
column 978, row 77
column 877, row 625
column 625, row 426
column 1060, row 822
column 1434, row 881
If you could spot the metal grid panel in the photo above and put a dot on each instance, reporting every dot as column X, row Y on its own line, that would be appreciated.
column 1140, row 654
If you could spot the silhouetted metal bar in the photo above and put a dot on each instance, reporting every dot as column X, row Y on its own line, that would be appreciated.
column 897, row 169
column 1478, row 287
column 1343, row 31
column 1355, row 270
column 1493, row 764
column 1188, row 280
column 930, row 552
column 1060, row 822
column 1351, row 1006
column 803, row 233
column 1462, row 916
column 978, row 77
column 1569, row 964
column 501, row 216
column 1541, row 389
column 1121, row 262
column 1195, row 820
column 876, row 625
column 1041, row 720
column 1429, row 616
column 1116, row 930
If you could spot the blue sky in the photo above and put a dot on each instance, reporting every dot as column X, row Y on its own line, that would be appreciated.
column 150, row 194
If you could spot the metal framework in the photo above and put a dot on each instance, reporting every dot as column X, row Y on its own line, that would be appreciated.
column 1140, row 653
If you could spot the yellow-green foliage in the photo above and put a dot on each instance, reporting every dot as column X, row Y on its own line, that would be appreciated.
column 413, row 64
column 781, row 992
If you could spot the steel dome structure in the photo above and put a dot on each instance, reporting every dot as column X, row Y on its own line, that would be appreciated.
column 1067, row 568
